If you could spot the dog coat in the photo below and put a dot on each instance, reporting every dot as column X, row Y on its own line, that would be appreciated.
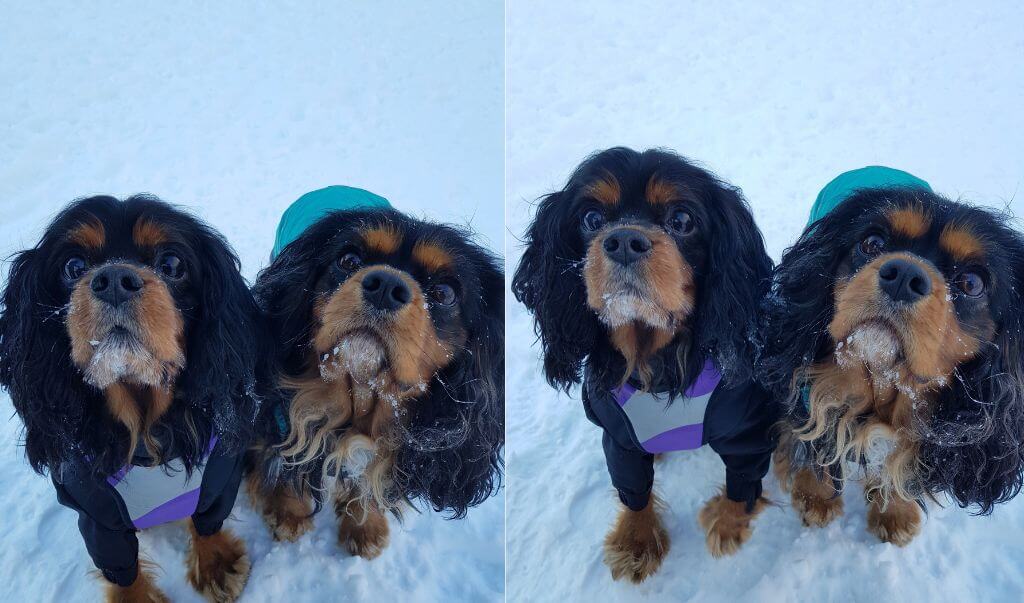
column 159, row 494
column 663, row 427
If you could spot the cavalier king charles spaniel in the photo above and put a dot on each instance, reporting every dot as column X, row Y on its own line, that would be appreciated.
column 128, row 345
column 644, row 276
column 389, row 345
column 893, row 334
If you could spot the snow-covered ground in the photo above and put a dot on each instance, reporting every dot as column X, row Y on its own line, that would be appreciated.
column 234, row 109
column 778, row 100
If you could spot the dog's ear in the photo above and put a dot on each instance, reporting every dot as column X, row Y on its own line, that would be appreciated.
column 222, row 350
column 548, row 281
column 737, row 276
column 283, row 291
column 36, row 367
column 452, row 454
column 794, row 317
column 974, row 444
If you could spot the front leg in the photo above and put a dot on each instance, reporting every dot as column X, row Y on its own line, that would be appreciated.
column 816, row 500
column 218, row 566
column 142, row 590
column 726, row 523
column 637, row 543
column 287, row 515
column 897, row 521
column 363, row 527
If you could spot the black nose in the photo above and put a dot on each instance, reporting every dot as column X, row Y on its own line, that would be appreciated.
column 385, row 290
column 904, row 281
column 626, row 245
column 116, row 284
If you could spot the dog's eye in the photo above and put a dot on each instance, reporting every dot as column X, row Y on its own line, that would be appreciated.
column 442, row 294
column 350, row 261
column 75, row 267
column 171, row 266
column 872, row 245
column 970, row 283
column 680, row 222
column 593, row 220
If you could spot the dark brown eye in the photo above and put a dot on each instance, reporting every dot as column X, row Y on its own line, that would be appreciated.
column 873, row 245
column 593, row 220
column 970, row 283
column 680, row 222
column 442, row 294
column 171, row 266
column 350, row 261
column 75, row 267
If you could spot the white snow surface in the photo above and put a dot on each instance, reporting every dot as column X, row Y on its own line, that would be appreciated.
column 778, row 100
column 233, row 110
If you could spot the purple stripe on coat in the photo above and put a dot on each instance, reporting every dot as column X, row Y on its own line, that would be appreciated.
column 623, row 394
column 687, row 437
column 177, row 508
column 706, row 381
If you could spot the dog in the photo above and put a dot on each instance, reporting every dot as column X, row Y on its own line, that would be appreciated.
column 644, row 276
column 128, row 345
column 893, row 336
column 389, row 333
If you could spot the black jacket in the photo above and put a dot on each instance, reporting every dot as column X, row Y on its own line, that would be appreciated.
column 737, row 425
column 106, row 523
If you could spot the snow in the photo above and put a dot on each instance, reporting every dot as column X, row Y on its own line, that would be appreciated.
column 234, row 110
column 778, row 100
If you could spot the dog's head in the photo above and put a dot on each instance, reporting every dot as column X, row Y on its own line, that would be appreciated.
column 922, row 296
column 128, row 322
column 393, row 328
column 643, row 250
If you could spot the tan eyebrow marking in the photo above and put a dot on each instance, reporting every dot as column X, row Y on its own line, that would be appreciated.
column 606, row 190
column 660, row 192
column 89, row 234
column 912, row 222
column 960, row 242
column 147, row 233
column 383, row 239
column 432, row 256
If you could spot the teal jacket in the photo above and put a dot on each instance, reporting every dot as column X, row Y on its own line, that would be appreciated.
column 845, row 184
column 312, row 206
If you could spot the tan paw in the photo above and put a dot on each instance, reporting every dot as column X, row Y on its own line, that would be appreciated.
column 363, row 536
column 726, row 524
column 287, row 515
column 143, row 590
column 816, row 502
column 218, row 566
column 636, row 544
column 898, row 524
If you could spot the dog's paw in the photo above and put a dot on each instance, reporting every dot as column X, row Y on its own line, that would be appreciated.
column 816, row 502
column 287, row 515
column 726, row 524
column 218, row 566
column 898, row 524
column 636, row 544
column 143, row 590
column 366, row 539
column 288, row 525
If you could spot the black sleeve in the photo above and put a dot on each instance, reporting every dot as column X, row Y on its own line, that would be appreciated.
column 111, row 542
column 630, row 467
column 221, row 479
column 738, row 425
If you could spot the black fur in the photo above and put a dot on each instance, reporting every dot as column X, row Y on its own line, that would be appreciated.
column 732, row 274
column 451, row 459
column 974, row 447
column 65, row 419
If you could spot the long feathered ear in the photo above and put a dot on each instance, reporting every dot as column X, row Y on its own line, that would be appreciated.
column 973, row 447
column 794, row 316
column 222, row 350
column 737, row 277
column 36, row 367
column 283, row 292
column 452, row 455
column 548, row 281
